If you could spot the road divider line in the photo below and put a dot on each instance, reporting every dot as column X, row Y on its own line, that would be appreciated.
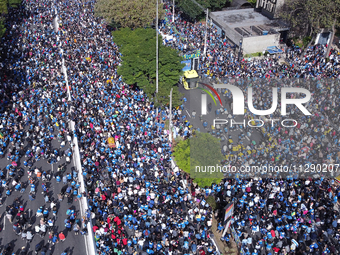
column 187, row 112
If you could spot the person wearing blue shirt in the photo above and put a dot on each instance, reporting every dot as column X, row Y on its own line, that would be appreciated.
column 220, row 227
column 313, row 246
column 149, row 251
column 193, row 247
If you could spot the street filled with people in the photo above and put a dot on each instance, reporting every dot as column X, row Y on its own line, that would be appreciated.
column 314, row 140
column 285, row 215
column 138, row 202
column 38, row 185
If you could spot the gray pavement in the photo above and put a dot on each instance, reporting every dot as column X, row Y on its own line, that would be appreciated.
column 74, row 243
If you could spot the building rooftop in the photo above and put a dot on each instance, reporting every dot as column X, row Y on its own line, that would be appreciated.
column 248, row 22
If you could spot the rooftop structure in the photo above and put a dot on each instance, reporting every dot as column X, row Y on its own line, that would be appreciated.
column 249, row 29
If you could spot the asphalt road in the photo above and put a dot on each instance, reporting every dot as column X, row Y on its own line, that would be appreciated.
column 74, row 243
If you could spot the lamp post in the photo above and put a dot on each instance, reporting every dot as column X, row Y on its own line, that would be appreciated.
column 240, row 50
column 173, row 11
column 156, row 55
column 157, row 47
column 206, row 31
column 170, row 118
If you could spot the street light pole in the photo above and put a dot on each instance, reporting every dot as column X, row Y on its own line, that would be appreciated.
column 156, row 55
column 173, row 11
column 170, row 118
column 206, row 31
column 157, row 47
column 240, row 49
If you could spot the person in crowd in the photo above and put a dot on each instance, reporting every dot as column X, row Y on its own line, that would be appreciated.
column 136, row 201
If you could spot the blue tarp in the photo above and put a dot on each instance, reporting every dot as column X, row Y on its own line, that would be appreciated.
column 273, row 50
column 187, row 65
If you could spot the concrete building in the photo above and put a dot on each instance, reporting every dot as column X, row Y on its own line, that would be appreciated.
column 249, row 29
column 269, row 8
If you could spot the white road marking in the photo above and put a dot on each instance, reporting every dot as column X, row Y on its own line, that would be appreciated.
column 187, row 112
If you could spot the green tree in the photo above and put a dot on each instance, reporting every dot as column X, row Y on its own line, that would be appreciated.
column 2, row 27
column 3, row 7
column 182, row 155
column 191, row 158
column 253, row 2
column 308, row 16
column 3, row 12
column 212, row 202
column 138, row 48
column 132, row 13
column 193, row 11
column 14, row 3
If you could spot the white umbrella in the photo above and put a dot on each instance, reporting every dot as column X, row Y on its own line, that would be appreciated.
column 295, row 242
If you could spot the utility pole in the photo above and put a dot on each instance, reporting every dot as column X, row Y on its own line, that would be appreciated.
column 205, row 36
column 173, row 11
column 156, row 55
column 157, row 47
column 206, row 25
column 170, row 118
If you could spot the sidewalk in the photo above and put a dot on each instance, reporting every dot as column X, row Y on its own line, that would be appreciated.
column 224, row 249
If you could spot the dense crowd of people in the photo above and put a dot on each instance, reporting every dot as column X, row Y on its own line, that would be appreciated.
column 221, row 61
column 281, row 216
column 276, row 216
column 315, row 138
column 138, row 203
column 133, row 207
column 35, row 129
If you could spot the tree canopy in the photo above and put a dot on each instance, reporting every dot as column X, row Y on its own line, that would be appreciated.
column 132, row 13
column 308, row 16
column 3, row 12
column 193, row 11
column 138, row 48
column 253, row 2
column 196, row 154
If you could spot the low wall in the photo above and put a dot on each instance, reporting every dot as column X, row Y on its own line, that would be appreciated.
column 259, row 43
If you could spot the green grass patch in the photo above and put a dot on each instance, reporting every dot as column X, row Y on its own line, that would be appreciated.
column 251, row 55
column 2, row 28
column 298, row 42
column 306, row 40
column 14, row 3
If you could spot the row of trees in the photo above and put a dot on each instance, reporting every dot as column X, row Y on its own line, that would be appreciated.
column 142, row 13
column 194, row 12
column 132, row 13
